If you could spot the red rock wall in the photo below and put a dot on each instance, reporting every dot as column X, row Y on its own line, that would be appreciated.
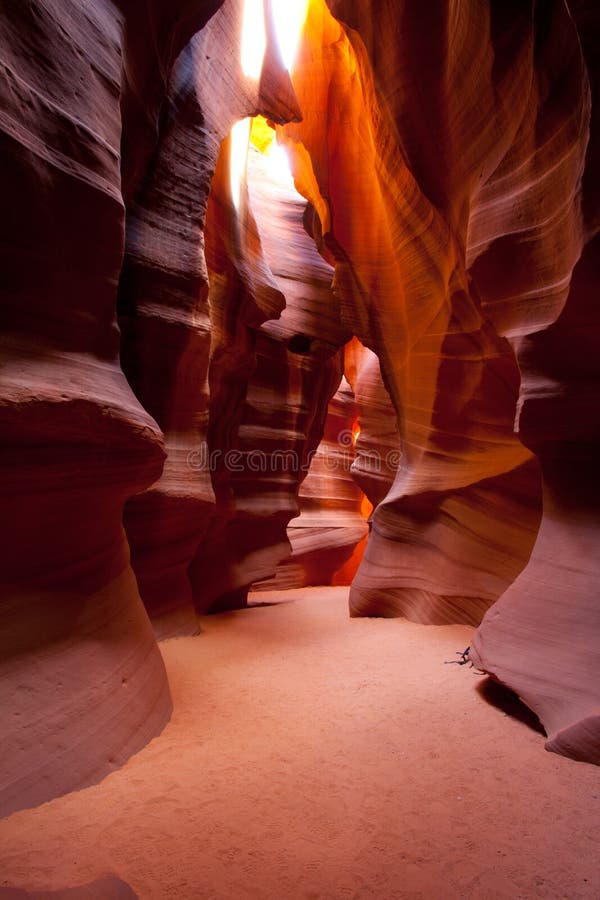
column 378, row 446
column 270, row 289
column 328, row 535
column 132, row 150
column 165, row 307
column 451, row 174
column 399, row 234
column 543, row 637
column 454, row 254
column 82, row 682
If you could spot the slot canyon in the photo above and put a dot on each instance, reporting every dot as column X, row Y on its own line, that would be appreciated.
column 300, row 404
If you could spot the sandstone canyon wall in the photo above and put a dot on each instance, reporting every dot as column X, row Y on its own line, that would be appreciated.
column 83, row 684
column 543, row 636
column 109, row 136
column 399, row 233
column 328, row 536
column 164, row 306
column 271, row 380
column 464, row 255
column 107, row 177
column 448, row 189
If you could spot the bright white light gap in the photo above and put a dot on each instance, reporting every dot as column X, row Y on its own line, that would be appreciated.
column 289, row 17
column 254, row 38
column 240, row 137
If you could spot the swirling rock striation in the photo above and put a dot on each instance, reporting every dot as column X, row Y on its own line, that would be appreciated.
column 83, row 684
column 449, row 187
column 542, row 638
column 164, row 301
column 399, row 236
column 459, row 264
column 328, row 536
column 276, row 361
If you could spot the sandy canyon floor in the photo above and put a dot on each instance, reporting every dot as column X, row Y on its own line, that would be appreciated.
column 315, row 756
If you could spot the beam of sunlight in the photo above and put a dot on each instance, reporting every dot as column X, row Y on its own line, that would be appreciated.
column 289, row 17
column 240, row 135
column 279, row 164
column 254, row 38
column 262, row 137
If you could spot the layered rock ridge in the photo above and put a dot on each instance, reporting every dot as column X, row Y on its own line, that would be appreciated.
column 412, row 324
column 400, row 234
column 164, row 300
column 464, row 254
column 271, row 379
column 542, row 638
column 82, row 683
column 328, row 536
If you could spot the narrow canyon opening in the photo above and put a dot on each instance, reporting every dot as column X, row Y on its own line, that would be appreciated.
column 328, row 528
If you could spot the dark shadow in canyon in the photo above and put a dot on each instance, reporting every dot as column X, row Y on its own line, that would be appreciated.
column 502, row 698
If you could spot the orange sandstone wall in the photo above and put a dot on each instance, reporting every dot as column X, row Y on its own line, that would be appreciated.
column 276, row 361
column 164, row 302
column 450, row 174
column 398, row 226
column 446, row 167
column 328, row 535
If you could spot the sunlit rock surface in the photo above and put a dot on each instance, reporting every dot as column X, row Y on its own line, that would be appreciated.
column 276, row 361
column 447, row 169
column 164, row 302
column 328, row 536
column 378, row 447
column 454, row 254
